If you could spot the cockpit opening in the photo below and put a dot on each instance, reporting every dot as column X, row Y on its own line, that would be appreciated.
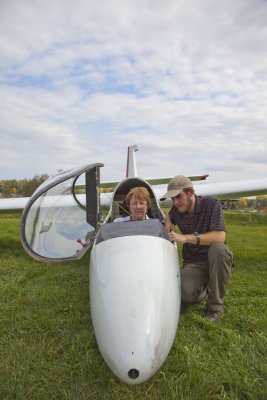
column 148, row 227
column 119, row 207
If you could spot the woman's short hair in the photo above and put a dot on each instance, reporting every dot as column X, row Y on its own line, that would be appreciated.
column 141, row 193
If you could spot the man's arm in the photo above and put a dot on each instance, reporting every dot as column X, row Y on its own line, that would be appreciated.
column 168, row 224
column 206, row 239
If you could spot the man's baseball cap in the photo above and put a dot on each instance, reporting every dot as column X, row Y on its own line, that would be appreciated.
column 176, row 185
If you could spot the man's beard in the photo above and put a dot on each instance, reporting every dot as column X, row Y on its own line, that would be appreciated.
column 187, row 206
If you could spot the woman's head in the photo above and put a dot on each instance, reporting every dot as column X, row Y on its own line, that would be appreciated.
column 138, row 202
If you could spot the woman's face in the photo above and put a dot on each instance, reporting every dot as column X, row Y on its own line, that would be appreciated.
column 138, row 208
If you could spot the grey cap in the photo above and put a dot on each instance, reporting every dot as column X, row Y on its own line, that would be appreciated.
column 176, row 185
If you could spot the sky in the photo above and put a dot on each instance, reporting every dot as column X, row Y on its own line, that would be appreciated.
column 185, row 80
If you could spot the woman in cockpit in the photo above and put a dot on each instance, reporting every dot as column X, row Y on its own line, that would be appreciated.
column 138, row 202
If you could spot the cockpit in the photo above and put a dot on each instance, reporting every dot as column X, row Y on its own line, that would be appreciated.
column 149, row 227
column 119, row 207
column 61, row 221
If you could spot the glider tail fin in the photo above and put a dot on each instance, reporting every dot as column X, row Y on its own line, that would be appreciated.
column 131, row 170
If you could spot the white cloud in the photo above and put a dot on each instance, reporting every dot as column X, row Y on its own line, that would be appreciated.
column 185, row 80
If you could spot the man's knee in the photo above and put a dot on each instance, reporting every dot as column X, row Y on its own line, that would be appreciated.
column 220, row 253
column 188, row 294
column 220, row 262
column 190, row 291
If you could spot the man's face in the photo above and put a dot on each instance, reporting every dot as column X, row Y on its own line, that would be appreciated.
column 183, row 202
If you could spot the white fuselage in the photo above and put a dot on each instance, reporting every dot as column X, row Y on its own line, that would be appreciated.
column 135, row 303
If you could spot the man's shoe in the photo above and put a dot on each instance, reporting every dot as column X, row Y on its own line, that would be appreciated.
column 213, row 316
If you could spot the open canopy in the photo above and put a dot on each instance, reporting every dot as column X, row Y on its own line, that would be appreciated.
column 59, row 222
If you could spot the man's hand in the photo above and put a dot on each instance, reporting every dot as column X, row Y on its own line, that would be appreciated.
column 177, row 237
column 206, row 239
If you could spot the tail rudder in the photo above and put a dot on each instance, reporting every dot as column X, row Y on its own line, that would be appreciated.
column 131, row 170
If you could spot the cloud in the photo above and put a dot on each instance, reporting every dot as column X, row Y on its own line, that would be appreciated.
column 185, row 80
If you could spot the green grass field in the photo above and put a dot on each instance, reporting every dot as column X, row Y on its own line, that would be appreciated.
column 48, row 349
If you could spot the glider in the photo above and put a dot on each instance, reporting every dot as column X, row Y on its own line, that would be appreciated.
column 134, row 268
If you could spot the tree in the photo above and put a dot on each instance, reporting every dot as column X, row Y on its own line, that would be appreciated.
column 261, row 202
column 21, row 188
column 8, row 188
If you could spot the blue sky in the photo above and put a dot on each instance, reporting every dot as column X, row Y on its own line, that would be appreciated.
column 186, row 80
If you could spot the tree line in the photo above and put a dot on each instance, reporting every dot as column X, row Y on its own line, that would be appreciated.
column 21, row 188
column 258, row 203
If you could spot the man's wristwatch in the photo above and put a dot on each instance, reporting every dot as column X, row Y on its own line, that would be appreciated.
column 197, row 235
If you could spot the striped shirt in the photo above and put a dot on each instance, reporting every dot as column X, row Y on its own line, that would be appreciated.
column 207, row 217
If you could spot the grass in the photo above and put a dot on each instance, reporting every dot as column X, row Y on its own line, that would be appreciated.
column 47, row 345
